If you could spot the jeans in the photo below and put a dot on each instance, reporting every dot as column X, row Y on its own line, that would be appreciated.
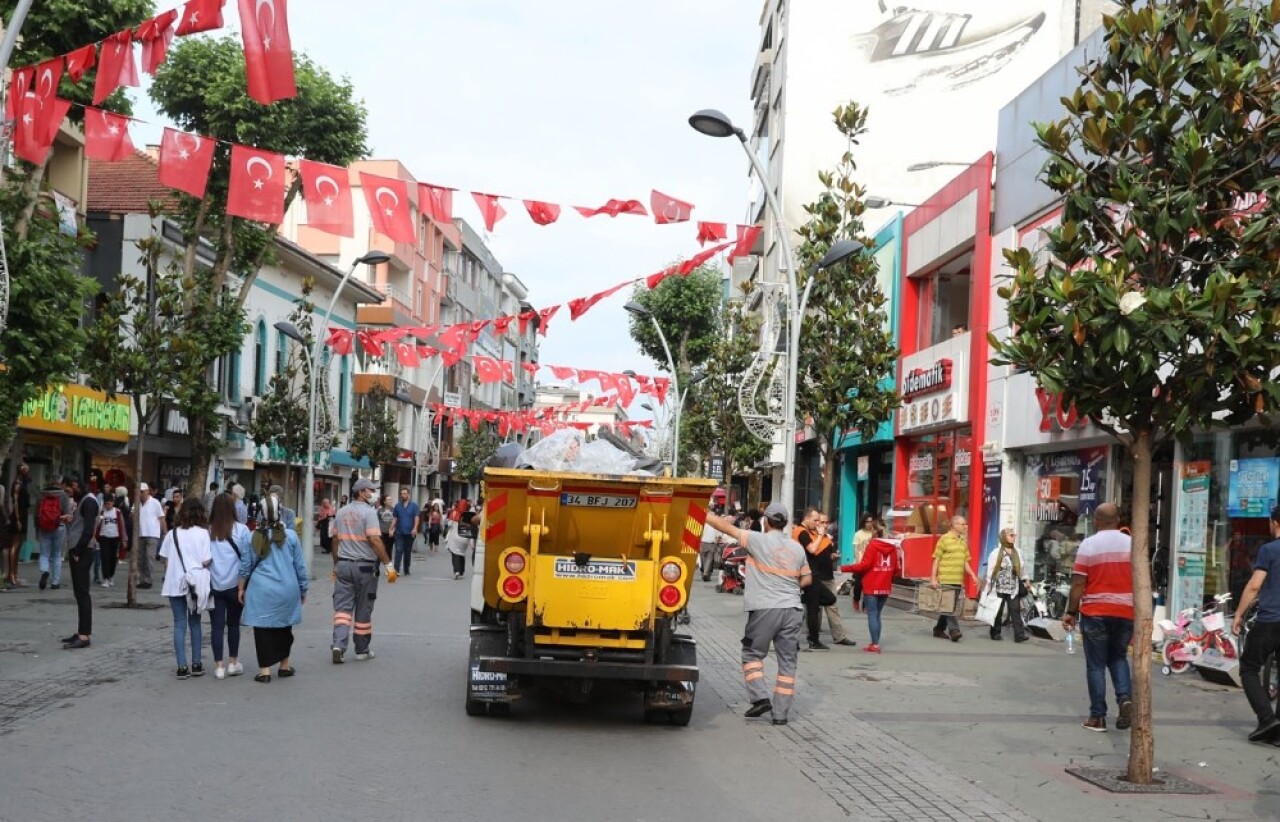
column 1106, row 643
column 874, row 603
column 51, row 552
column 225, row 614
column 404, row 552
column 1262, row 641
column 183, row 623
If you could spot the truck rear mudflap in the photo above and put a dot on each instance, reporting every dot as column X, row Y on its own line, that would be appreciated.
column 579, row 669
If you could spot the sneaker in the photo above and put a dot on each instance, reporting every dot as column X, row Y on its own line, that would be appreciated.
column 759, row 708
column 55, row 586
column 197, row 669
column 106, row 583
column 779, row 722
column 1125, row 719
column 848, row 643
column 337, row 655
column 234, row 669
column 219, row 672
column 457, row 576
column 44, row 580
column 366, row 656
column 818, row 646
column 1266, row 731
column 871, row 649
column 184, row 672
column 1096, row 723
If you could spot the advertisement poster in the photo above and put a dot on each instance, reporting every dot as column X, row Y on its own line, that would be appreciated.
column 1251, row 490
column 1093, row 467
column 1191, row 534
column 1190, row 588
column 992, row 471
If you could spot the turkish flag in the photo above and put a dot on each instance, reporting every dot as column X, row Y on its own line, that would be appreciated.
column 655, row 279
column 340, row 341
column 531, row 367
column 256, row 191
column 32, row 141
column 613, row 208
column 626, row 391
column 391, row 335
column 525, row 317
column 200, row 15
column 450, row 358
column 508, row 370
column 608, row 381
column 326, row 190
column 185, row 160
column 407, row 354
column 81, row 60
column 667, row 209
column 20, row 84
column 687, row 267
column 268, row 55
column 115, row 66
column 542, row 213
column 426, row 352
column 475, row 329
column 388, row 201
column 436, row 202
column 563, row 373
column 747, row 235
column 712, row 232
column 106, row 135
column 660, row 387
column 369, row 343
column 48, row 76
column 490, row 209
column 501, row 324
column 155, row 35
column 454, row 337
column 544, row 317
column 487, row 369
column 580, row 306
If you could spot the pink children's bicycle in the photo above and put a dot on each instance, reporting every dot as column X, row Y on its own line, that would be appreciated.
column 1196, row 633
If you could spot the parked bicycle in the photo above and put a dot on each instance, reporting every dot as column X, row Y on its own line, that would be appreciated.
column 1194, row 633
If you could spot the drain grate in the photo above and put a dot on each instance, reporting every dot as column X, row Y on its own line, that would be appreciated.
column 1113, row 781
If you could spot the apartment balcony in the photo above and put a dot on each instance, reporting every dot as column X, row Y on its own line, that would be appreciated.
column 396, row 387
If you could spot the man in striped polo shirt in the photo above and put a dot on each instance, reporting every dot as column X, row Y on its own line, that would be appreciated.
column 1102, row 601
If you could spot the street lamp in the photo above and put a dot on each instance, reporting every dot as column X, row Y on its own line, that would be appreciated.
column 638, row 310
column 309, row 491
column 925, row 166
column 885, row 202
column 715, row 124
column 291, row 331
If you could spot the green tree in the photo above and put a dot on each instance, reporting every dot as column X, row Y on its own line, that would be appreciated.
column 42, row 343
column 847, row 354
column 1157, row 310
column 711, row 421
column 474, row 450
column 374, row 432
column 688, row 310
column 201, row 86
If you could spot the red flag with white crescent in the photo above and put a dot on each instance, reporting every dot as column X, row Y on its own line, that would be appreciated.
column 200, row 15
column 185, row 160
column 490, row 209
column 388, row 201
column 436, row 202
column 542, row 213
column 106, row 135
column 613, row 208
column 115, row 66
column 667, row 209
column 155, row 35
column 712, row 232
column 326, row 190
column 407, row 354
column 747, row 235
column 268, row 54
column 340, row 341
column 544, row 318
column 256, row 190
column 81, row 60
column 369, row 343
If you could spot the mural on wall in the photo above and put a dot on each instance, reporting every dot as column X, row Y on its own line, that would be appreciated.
column 950, row 49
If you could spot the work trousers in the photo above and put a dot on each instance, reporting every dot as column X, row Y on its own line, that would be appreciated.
column 780, row 627
column 354, row 593
column 814, row 611
column 709, row 558
column 146, row 548
column 81, row 563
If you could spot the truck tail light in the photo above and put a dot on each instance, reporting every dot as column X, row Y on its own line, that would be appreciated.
column 671, row 571
column 514, row 563
column 513, row 588
column 670, row 596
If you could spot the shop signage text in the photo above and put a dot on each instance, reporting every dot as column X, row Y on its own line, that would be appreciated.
column 927, row 380
column 1054, row 413
column 77, row 411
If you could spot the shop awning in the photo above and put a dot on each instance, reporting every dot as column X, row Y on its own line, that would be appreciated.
column 343, row 459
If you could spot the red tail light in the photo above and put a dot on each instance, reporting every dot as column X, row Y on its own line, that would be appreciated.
column 513, row 587
column 669, row 596
column 514, row 562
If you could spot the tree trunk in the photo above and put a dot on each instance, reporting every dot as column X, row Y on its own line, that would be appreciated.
column 829, row 485
column 1141, row 738
column 199, row 460
column 31, row 196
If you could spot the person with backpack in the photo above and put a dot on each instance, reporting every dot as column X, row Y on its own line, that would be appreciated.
column 228, row 545
column 53, row 514
column 80, row 547
column 460, row 542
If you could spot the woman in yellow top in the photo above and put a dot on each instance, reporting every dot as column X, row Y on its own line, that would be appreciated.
column 950, row 566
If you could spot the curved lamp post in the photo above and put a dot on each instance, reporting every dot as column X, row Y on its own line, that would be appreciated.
column 639, row 310
column 309, row 491
column 714, row 123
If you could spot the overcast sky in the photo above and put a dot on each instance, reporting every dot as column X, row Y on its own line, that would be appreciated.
column 570, row 101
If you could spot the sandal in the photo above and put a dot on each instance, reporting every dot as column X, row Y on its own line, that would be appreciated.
column 262, row 678
column 287, row 672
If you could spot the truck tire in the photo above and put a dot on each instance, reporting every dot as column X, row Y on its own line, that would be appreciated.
column 683, row 654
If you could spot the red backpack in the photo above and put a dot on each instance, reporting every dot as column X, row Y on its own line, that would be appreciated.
column 49, row 515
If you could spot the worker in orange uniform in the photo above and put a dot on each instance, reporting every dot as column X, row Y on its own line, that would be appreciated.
column 357, row 552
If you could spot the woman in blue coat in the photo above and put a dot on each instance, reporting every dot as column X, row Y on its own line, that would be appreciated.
column 273, row 586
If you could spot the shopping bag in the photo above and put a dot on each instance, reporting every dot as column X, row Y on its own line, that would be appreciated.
column 988, row 608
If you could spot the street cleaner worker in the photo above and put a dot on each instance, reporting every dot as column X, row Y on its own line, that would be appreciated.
column 357, row 552
column 776, row 571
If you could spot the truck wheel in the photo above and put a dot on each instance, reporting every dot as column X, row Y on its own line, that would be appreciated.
column 680, row 717
column 683, row 653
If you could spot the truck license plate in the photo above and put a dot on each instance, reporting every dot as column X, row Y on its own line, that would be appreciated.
column 598, row 500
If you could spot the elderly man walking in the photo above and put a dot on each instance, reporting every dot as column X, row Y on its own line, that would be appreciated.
column 950, row 567
column 776, row 570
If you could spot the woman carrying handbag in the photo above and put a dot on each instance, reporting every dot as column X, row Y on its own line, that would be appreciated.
column 1005, row 580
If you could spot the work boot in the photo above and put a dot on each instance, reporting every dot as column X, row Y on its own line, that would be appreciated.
column 1266, row 730
column 759, row 708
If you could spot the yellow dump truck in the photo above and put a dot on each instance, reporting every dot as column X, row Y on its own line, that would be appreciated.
column 580, row 578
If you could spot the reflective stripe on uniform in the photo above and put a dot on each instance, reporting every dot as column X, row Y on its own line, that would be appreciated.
column 780, row 572
column 778, row 689
column 340, row 618
column 363, row 628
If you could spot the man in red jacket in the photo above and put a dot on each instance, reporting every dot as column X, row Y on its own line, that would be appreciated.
column 878, row 566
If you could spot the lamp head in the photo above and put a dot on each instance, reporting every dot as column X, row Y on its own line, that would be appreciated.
column 637, row 309
column 877, row 202
column 714, row 123
column 290, row 330
column 630, row 373
column 840, row 251
column 374, row 257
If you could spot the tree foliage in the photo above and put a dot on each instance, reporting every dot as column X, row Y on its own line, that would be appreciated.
column 201, row 86
column 847, row 354
column 688, row 311
column 374, row 431
column 475, row 447
column 1156, row 308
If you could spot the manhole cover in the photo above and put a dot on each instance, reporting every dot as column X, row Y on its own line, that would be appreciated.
column 1112, row 780
column 922, row 678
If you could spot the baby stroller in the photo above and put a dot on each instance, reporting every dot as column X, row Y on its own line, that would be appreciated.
column 731, row 577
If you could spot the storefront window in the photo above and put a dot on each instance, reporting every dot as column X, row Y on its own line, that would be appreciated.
column 938, row 475
column 1060, row 491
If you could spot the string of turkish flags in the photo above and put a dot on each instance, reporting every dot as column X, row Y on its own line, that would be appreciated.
column 455, row 338
column 490, row 369
column 542, row 419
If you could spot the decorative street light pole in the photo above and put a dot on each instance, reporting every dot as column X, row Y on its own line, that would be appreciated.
column 309, row 490
column 640, row 311
column 716, row 124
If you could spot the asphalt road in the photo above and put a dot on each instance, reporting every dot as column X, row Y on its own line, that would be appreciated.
column 119, row 738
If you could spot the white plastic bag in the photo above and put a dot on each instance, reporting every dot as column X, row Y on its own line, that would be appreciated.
column 988, row 607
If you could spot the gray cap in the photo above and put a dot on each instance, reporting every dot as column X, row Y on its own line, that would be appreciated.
column 776, row 511
column 363, row 485
column 278, row 490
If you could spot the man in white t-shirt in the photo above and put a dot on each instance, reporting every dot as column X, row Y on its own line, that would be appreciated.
column 151, row 529
column 710, row 550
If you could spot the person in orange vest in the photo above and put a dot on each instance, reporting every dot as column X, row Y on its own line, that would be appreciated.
column 811, row 533
column 776, row 571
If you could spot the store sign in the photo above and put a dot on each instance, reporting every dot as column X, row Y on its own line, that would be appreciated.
column 1054, row 414
column 77, row 411
column 1252, row 487
column 934, row 387
column 1034, row 416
